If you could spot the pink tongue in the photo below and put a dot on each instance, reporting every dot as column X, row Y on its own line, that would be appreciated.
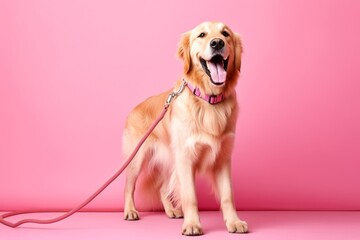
column 217, row 72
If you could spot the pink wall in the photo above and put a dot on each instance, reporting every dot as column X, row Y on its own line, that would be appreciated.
column 70, row 71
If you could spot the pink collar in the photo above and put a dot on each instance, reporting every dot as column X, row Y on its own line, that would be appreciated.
column 212, row 99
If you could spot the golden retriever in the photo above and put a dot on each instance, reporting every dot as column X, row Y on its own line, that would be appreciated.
column 196, row 135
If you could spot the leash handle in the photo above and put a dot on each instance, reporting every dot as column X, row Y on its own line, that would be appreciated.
column 104, row 186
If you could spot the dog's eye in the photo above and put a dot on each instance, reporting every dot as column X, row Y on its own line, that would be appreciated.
column 201, row 35
column 225, row 33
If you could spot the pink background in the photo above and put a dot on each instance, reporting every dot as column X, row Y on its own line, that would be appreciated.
column 70, row 71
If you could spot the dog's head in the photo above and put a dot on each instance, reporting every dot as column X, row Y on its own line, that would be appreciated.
column 212, row 57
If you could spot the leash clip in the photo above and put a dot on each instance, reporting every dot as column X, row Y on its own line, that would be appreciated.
column 175, row 94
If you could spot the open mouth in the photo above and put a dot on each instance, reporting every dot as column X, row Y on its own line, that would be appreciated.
column 215, row 68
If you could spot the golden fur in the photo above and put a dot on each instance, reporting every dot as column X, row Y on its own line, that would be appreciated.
column 194, row 136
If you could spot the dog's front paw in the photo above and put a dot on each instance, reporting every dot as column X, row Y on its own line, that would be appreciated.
column 131, row 215
column 192, row 230
column 237, row 226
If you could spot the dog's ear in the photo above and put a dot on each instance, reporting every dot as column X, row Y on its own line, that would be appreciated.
column 238, row 51
column 184, row 51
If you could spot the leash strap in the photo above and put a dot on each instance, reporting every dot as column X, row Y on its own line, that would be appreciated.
column 103, row 187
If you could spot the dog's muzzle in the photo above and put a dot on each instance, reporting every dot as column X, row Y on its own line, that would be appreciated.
column 216, row 67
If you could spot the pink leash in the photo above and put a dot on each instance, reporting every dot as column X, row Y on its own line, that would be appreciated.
column 103, row 187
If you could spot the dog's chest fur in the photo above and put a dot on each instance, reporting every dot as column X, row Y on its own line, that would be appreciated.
column 200, row 129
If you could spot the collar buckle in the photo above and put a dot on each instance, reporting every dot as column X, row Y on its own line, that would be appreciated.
column 214, row 99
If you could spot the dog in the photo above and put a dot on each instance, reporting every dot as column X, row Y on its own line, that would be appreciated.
column 196, row 135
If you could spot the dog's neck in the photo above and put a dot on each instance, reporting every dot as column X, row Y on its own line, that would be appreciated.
column 212, row 99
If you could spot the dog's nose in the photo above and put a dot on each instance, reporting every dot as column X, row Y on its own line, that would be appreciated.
column 217, row 44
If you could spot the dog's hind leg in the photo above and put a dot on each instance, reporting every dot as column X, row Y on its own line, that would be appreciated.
column 132, row 173
column 169, row 208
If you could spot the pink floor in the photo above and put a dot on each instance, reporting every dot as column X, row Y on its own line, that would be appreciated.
column 267, row 225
